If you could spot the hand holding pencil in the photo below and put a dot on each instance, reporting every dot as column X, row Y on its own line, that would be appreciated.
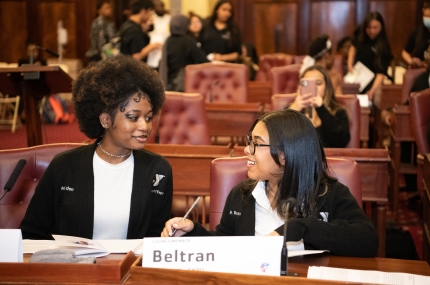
column 179, row 226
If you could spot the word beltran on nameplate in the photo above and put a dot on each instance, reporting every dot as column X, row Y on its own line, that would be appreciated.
column 247, row 255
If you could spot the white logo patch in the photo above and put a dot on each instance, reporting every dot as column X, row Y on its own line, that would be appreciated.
column 157, row 180
column 324, row 215
column 67, row 188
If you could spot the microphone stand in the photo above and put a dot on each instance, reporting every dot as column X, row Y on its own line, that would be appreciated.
column 284, row 252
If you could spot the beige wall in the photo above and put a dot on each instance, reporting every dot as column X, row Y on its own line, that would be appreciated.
column 200, row 7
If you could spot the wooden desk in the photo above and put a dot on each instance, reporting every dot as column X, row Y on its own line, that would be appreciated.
column 426, row 208
column 400, row 131
column 260, row 92
column 300, row 264
column 191, row 168
column 112, row 269
column 232, row 119
column 364, row 126
column 373, row 164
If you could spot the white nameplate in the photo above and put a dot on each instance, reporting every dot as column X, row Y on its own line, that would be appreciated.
column 248, row 255
column 11, row 246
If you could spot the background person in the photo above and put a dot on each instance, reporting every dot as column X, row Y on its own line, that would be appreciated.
column 329, row 118
column 286, row 159
column 221, row 37
column 134, row 41
column 102, row 30
column 178, row 52
column 419, row 41
column 371, row 48
column 111, row 189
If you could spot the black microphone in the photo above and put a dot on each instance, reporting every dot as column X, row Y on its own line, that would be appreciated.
column 15, row 174
column 290, row 203
column 53, row 53
column 310, row 112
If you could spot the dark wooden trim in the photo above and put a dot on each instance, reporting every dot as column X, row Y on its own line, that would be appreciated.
column 34, row 25
column 363, row 7
column 303, row 27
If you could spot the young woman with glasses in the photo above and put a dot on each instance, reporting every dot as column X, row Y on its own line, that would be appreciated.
column 286, row 160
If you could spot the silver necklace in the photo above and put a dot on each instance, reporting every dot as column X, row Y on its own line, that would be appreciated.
column 114, row 155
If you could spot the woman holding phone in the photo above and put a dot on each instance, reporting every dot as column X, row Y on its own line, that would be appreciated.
column 329, row 118
column 286, row 160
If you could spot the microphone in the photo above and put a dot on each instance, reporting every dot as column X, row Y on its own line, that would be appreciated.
column 13, row 177
column 53, row 53
column 290, row 203
column 210, row 90
column 310, row 112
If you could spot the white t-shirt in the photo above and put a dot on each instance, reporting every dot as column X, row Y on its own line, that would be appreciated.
column 266, row 219
column 113, row 185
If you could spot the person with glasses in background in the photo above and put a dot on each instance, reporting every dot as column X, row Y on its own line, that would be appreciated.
column 286, row 160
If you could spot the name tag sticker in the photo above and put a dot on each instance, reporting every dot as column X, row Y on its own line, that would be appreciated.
column 247, row 255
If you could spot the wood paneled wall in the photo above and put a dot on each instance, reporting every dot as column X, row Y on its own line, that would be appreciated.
column 273, row 25
column 289, row 25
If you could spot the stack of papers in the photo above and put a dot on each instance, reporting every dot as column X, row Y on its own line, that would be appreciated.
column 366, row 276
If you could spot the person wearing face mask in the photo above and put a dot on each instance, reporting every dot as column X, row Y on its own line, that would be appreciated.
column 221, row 38
column 179, row 51
column 371, row 47
column 329, row 118
column 286, row 160
column 134, row 41
column 419, row 41
column 320, row 53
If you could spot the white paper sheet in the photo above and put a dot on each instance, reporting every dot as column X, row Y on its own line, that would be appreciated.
column 112, row 246
column 366, row 276
column 10, row 245
column 363, row 100
column 360, row 74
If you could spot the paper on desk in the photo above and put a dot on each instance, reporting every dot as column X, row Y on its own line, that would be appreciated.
column 292, row 253
column 360, row 74
column 365, row 276
column 31, row 246
column 112, row 246
column 363, row 99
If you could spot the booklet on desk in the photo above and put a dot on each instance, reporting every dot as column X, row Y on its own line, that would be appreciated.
column 360, row 74
column 80, row 246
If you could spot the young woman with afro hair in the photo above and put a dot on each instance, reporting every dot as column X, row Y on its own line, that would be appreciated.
column 113, row 188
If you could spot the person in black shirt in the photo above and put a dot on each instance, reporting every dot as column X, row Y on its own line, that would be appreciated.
column 418, row 41
column 195, row 28
column 179, row 51
column 371, row 48
column 133, row 40
column 221, row 37
column 330, row 119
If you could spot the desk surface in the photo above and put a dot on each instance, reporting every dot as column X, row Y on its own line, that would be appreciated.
column 140, row 275
column 300, row 264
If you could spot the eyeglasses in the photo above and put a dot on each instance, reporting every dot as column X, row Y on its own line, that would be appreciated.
column 252, row 145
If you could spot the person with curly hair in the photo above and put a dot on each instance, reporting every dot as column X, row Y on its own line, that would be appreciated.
column 113, row 188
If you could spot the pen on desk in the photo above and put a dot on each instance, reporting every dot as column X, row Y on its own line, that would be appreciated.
column 186, row 215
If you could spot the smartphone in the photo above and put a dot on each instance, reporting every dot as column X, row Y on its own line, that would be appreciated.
column 308, row 86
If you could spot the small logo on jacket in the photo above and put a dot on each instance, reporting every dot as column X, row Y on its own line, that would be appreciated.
column 67, row 188
column 324, row 215
column 157, row 180
column 235, row 213
column 157, row 192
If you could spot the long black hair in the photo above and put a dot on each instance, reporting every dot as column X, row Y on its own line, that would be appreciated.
column 231, row 25
column 382, row 45
column 305, row 175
